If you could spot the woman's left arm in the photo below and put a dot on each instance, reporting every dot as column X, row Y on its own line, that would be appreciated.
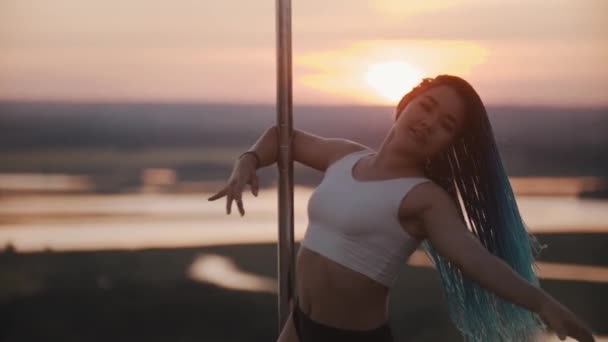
column 452, row 239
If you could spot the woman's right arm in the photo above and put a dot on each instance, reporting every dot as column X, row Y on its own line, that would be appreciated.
column 318, row 152
column 309, row 149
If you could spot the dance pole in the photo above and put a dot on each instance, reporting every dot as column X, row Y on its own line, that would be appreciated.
column 285, row 250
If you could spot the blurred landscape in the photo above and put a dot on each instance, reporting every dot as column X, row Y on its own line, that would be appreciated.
column 113, row 144
column 106, row 232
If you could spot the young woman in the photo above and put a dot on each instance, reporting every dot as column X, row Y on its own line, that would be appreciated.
column 436, row 180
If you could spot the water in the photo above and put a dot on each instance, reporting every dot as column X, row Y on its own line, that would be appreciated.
column 81, row 247
column 130, row 221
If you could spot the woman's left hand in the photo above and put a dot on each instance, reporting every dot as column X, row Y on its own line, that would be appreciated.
column 563, row 322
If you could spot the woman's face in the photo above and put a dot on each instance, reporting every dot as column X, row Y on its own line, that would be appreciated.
column 430, row 122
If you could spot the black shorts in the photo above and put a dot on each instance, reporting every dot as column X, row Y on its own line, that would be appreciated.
column 313, row 331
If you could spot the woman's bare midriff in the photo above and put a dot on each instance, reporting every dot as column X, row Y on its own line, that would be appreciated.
column 334, row 295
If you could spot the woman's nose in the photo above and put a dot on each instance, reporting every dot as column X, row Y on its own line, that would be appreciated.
column 427, row 125
column 429, row 122
column 424, row 125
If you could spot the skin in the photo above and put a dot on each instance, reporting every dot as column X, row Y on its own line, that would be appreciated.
column 438, row 113
column 331, row 293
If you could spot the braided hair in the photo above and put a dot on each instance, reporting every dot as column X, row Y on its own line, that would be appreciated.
column 472, row 173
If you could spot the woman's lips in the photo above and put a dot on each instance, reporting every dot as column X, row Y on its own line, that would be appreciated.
column 418, row 136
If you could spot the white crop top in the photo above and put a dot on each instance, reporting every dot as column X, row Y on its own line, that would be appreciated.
column 356, row 223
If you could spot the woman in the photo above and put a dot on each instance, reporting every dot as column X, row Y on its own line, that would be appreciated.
column 436, row 174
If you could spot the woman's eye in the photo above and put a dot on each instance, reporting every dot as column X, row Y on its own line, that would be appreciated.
column 425, row 106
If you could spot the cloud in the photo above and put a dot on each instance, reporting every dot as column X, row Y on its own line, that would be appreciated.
column 403, row 9
column 341, row 71
column 466, row 20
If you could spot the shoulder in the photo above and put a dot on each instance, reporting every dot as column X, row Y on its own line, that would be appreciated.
column 345, row 147
column 319, row 152
column 422, row 197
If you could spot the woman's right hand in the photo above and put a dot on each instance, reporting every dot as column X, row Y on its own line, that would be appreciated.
column 243, row 173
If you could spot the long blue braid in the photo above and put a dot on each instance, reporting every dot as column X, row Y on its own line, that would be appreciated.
column 471, row 171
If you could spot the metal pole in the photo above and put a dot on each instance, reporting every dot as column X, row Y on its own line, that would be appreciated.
column 285, row 251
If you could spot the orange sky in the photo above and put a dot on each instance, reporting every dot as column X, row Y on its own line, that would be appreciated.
column 513, row 52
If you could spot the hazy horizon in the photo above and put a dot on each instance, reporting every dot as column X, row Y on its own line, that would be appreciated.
column 203, row 102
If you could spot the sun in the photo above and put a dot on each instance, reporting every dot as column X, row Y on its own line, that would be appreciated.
column 392, row 79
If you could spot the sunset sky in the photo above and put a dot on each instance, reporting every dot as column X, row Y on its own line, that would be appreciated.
column 365, row 52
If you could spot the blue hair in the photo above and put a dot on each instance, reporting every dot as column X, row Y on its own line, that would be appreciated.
column 471, row 171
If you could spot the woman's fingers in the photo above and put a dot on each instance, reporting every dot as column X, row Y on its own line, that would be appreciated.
column 559, row 330
column 255, row 187
column 573, row 326
column 578, row 330
column 218, row 195
column 236, row 195
column 229, row 199
column 234, row 189
column 239, row 203
column 564, row 323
